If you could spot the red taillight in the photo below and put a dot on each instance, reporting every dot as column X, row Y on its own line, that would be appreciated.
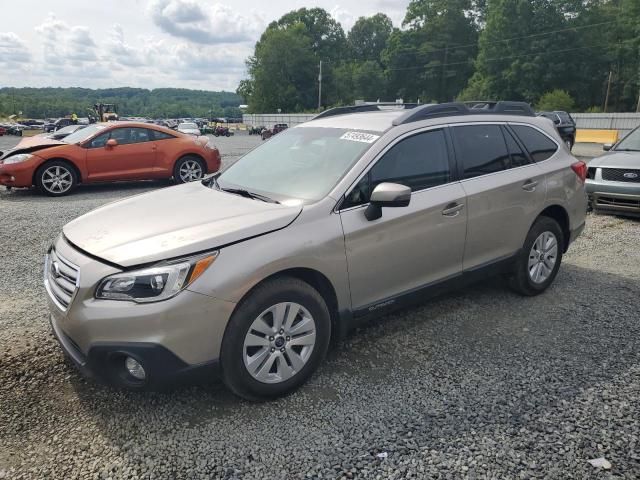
column 581, row 170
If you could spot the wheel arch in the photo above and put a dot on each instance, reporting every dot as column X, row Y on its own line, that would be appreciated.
column 560, row 215
column 57, row 159
column 315, row 279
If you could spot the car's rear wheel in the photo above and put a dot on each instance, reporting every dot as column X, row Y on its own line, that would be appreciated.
column 189, row 169
column 56, row 178
column 539, row 261
column 275, row 340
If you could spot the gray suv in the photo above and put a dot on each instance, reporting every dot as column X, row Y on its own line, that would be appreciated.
column 249, row 273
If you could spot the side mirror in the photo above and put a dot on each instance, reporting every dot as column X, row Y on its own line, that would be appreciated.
column 607, row 146
column 387, row 195
column 112, row 142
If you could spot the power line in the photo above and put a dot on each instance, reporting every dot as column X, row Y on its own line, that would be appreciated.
column 494, row 42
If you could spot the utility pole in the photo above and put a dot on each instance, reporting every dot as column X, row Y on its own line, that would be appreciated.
column 442, row 75
column 606, row 100
column 320, row 87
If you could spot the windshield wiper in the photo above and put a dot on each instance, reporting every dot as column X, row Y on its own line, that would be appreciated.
column 627, row 150
column 248, row 194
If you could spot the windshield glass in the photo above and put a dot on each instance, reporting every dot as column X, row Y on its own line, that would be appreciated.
column 188, row 126
column 83, row 133
column 300, row 163
column 630, row 142
column 69, row 129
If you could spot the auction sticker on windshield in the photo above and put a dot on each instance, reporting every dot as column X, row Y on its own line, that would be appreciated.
column 360, row 137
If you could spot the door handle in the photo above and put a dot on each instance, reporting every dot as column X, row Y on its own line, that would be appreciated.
column 453, row 209
column 530, row 186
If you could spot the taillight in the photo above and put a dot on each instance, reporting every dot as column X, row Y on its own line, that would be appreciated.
column 581, row 170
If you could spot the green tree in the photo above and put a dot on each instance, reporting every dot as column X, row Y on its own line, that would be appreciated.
column 282, row 71
column 516, row 59
column 368, row 37
column 556, row 100
column 433, row 57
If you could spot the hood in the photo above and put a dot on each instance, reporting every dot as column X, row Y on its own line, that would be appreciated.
column 173, row 222
column 31, row 144
column 615, row 159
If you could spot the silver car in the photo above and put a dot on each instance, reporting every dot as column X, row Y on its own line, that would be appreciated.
column 250, row 273
column 189, row 128
column 613, row 180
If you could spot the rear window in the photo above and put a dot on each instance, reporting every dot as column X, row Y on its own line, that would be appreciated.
column 540, row 146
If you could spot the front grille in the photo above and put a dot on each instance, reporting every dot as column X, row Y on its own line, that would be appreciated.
column 61, row 279
column 621, row 175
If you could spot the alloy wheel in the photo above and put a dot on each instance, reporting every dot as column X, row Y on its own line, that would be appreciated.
column 543, row 257
column 279, row 343
column 57, row 179
column 190, row 170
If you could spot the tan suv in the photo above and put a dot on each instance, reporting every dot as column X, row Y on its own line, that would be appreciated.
column 249, row 273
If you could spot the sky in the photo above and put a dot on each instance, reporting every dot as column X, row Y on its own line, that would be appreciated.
column 197, row 44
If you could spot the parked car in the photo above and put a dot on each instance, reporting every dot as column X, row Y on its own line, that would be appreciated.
column 58, row 124
column 65, row 131
column 3, row 131
column 189, row 128
column 277, row 128
column 357, row 212
column 104, row 152
column 565, row 124
column 613, row 179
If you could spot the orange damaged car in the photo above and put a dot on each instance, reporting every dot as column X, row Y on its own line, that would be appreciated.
column 106, row 152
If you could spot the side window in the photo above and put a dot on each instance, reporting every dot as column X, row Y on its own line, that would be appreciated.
column 157, row 135
column 540, row 146
column 481, row 148
column 419, row 162
column 518, row 157
column 100, row 140
column 139, row 135
column 122, row 135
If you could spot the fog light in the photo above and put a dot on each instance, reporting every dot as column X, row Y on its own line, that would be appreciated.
column 134, row 368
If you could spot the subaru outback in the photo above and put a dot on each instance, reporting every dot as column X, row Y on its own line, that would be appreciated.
column 250, row 273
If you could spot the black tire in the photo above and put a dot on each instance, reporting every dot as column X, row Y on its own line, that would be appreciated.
column 285, row 289
column 182, row 161
column 43, row 176
column 520, row 280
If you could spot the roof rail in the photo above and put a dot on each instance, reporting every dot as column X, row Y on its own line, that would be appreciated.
column 365, row 107
column 425, row 112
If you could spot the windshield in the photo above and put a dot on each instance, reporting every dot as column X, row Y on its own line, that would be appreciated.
column 84, row 133
column 630, row 142
column 69, row 129
column 188, row 126
column 300, row 163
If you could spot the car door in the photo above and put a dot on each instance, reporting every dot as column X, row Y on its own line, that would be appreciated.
column 132, row 158
column 408, row 247
column 505, row 191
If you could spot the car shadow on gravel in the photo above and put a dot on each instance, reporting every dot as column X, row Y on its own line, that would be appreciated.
column 469, row 371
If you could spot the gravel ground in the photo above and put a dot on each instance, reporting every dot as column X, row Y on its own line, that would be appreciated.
column 479, row 383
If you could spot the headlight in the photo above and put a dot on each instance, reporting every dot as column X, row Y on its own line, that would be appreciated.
column 154, row 284
column 21, row 157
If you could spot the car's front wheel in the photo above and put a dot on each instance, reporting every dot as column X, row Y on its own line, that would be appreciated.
column 56, row 178
column 275, row 340
column 188, row 169
column 539, row 261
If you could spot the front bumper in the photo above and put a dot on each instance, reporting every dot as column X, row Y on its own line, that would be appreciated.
column 105, row 363
column 614, row 197
column 18, row 174
column 172, row 338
